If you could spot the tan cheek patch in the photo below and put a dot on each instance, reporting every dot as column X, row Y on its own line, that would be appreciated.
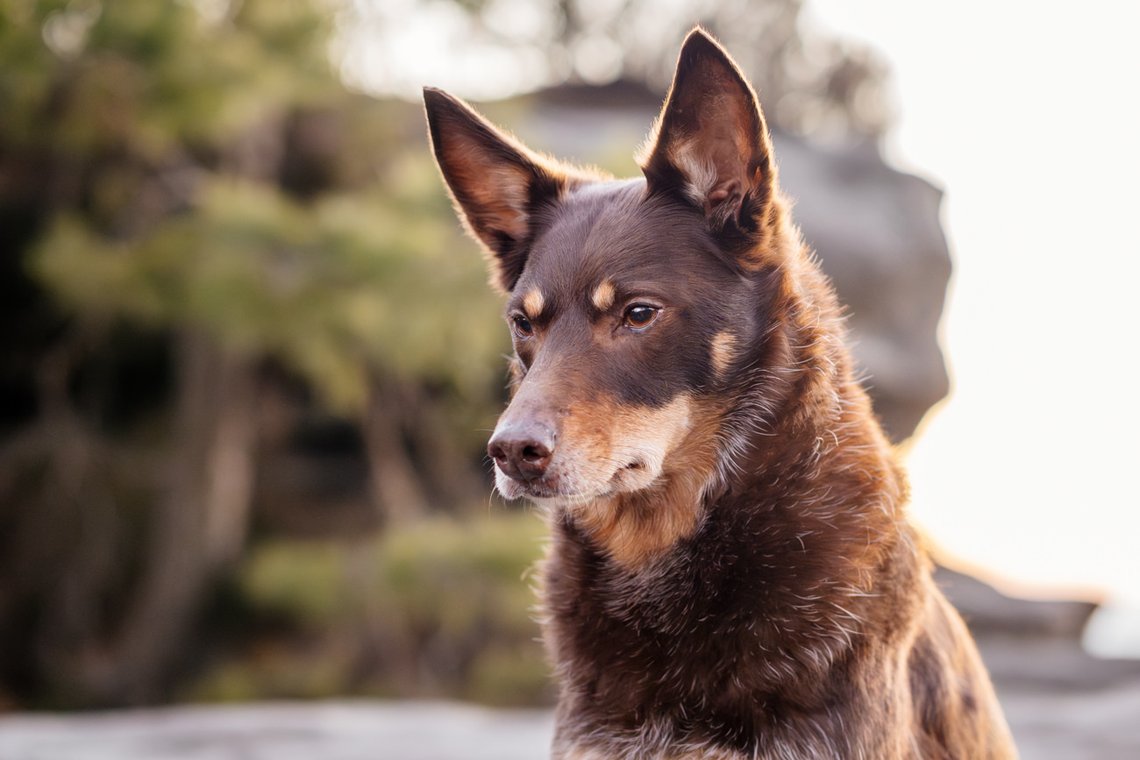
column 604, row 296
column 533, row 303
column 722, row 352
column 605, row 435
column 676, row 445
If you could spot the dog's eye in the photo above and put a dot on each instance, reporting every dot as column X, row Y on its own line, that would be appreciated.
column 521, row 326
column 639, row 316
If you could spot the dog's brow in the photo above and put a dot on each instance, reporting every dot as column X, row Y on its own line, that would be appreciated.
column 603, row 297
column 533, row 302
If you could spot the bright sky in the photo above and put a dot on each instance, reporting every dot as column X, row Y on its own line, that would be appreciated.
column 1027, row 114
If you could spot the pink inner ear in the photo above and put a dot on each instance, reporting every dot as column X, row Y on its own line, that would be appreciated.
column 717, row 158
column 715, row 170
column 499, row 197
column 489, row 173
column 723, row 192
column 724, row 202
column 725, row 135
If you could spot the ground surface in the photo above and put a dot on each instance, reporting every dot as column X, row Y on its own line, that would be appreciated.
column 1100, row 725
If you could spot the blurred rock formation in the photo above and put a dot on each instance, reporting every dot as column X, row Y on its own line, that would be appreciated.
column 877, row 232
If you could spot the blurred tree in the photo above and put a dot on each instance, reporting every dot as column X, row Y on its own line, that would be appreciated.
column 810, row 82
column 174, row 172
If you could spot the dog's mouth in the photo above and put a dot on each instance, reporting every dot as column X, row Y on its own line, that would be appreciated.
column 557, row 486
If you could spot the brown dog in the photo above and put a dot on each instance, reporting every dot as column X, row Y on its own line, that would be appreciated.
column 731, row 573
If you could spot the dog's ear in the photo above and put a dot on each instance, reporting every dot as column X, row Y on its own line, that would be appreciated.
column 710, row 143
column 497, row 184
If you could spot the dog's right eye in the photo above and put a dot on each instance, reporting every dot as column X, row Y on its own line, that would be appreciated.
column 640, row 316
column 521, row 326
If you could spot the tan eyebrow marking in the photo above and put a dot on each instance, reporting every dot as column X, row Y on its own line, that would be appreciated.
column 533, row 302
column 604, row 295
column 722, row 351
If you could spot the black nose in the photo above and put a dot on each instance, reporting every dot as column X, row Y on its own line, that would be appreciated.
column 522, row 452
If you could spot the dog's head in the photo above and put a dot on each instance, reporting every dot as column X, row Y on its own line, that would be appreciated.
column 635, row 305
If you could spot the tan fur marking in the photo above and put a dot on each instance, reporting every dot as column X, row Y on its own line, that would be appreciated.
column 533, row 303
column 604, row 295
column 633, row 526
column 722, row 352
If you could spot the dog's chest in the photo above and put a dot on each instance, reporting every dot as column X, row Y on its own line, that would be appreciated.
column 655, row 653
column 693, row 658
column 661, row 742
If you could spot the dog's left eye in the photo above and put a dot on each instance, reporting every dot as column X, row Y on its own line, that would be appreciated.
column 639, row 316
column 521, row 326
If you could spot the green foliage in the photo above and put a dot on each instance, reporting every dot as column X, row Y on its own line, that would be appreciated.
column 175, row 226
column 443, row 573
column 450, row 602
column 453, row 577
column 330, row 287
column 85, row 75
column 277, row 672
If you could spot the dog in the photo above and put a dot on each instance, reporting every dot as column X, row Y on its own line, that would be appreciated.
column 730, row 573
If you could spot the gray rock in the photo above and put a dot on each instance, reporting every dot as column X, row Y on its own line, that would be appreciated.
column 1034, row 645
column 989, row 612
column 878, row 236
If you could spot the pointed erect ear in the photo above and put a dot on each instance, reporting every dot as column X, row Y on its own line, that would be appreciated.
column 710, row 143
column 497, row 184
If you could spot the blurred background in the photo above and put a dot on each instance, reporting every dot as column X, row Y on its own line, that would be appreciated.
column 248, row 363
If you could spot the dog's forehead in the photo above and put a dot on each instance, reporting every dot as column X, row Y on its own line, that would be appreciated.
column 614, row 231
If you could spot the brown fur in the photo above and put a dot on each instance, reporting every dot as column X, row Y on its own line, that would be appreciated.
column 731, row 574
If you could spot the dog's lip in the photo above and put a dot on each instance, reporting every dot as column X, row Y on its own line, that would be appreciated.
column 542, row 489
column 538, row 488
column 553, row 486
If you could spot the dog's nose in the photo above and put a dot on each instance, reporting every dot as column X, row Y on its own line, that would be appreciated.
column 522, row 452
